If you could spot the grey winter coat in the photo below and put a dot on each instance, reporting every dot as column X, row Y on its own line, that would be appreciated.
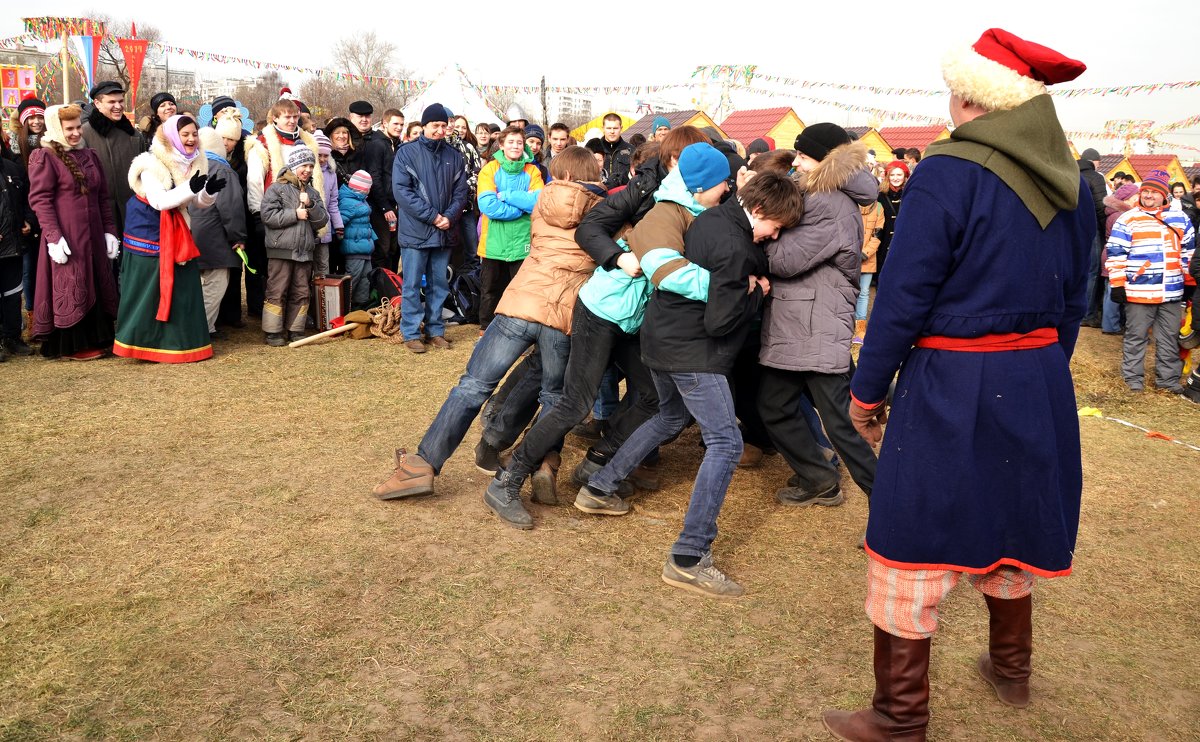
column 219, row 227
column 809, row 316
column 289, row 238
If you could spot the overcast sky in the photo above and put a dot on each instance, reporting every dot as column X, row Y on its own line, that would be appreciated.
column 658, row 43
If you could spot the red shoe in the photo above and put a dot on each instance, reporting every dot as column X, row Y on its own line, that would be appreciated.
column 84, row 355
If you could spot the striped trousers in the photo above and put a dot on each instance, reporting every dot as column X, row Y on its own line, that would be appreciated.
column 904, row 602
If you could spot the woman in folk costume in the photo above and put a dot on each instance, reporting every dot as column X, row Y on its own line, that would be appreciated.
column 76, row 295
column 162, row 314
column 979, row 473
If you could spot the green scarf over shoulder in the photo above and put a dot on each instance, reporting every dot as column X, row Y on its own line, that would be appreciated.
column 1026, row 148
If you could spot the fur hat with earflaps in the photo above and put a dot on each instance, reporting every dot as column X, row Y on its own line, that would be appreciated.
column 1002, row 70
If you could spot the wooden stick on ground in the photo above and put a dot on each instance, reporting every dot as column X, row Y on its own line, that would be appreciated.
column 322, row 335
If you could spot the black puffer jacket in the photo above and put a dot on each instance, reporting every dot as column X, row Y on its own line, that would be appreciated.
column 14, row 207
column 1095, row 182
column 683, row 335
column 375, row 155
column 596, row 232
column 617, row 157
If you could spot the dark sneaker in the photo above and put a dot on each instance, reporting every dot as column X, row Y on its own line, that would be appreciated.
column 503, row 497
column 16, row 347
column 590, row 430
column 587, row 468
column 487, row 458
column 413, row 476
column 545, row 480
column 592, row 500
column 704, row 578
column 802, row 497
column 275, row 339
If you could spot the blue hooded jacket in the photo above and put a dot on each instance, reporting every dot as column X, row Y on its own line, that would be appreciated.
column 359, row 238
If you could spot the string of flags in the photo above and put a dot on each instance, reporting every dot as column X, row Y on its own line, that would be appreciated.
column 737, row 77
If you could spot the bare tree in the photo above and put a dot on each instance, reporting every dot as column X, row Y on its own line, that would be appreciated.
column 263, row 94
column 112, row 60
column 371, row 56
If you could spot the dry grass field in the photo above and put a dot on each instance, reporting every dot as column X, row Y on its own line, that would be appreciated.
column 193, row 553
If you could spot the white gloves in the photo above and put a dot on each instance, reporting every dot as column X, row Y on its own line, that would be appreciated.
column 58, row 250
column 113, row 245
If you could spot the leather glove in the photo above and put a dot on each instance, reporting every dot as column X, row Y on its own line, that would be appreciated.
column 197, row 182
column 869, row 422
column 214, row 185
column 113, row 246
column 1117, row 295
column 58, row 250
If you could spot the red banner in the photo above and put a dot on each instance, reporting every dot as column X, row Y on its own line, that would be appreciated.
column 135, row 56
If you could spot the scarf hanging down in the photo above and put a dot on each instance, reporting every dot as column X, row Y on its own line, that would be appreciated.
column 175, row 246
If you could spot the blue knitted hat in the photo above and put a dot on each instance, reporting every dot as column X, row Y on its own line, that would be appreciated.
column 659, row 121
column 702, row 167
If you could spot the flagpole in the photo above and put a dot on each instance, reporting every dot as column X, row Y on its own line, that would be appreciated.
column 66, row 79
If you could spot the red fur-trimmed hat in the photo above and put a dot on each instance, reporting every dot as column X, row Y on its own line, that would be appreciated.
column 1002, row 70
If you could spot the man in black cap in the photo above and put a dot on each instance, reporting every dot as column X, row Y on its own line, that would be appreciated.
column 112, row 135
column 375, row 155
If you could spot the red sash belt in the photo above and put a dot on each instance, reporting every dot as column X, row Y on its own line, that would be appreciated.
column 175, row 246
column 1039, row 338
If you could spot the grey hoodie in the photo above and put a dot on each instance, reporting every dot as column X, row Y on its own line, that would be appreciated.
column 815, row 265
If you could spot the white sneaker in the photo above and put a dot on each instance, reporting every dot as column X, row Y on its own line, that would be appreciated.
column 704, row 578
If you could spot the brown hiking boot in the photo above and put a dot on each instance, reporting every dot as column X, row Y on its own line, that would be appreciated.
column 440, row 342
column 412, row 477
column 416, row 346
column 752, row 456
column 545, row 480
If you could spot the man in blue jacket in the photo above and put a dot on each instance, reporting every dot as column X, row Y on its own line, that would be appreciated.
column 429, row 184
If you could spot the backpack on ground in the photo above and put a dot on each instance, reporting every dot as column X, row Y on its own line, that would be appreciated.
column 386, row 284
column 463, row 299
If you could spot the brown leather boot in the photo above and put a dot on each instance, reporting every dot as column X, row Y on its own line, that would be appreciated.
column 1006, row 664
column 900, row 708
column 545, row 480
column 412, row 477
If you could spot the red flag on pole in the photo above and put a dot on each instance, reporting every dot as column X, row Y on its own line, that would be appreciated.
column 134, row 51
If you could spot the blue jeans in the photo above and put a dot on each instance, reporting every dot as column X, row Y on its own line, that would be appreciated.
column 1113, row 317
column 864, row 295
column 500, row 347
column 431, row 263
column 608, row 396
column 681, row 397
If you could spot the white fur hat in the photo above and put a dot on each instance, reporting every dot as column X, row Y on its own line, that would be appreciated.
column 1002, row 70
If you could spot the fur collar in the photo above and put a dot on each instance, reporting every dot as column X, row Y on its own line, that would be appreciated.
column 160, row 163
column 835, row 171
column 104, row 126
column 274, row 161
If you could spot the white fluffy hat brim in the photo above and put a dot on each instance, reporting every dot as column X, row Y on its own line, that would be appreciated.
column 986, row 83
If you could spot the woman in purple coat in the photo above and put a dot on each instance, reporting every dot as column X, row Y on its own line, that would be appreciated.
column 76, row 292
